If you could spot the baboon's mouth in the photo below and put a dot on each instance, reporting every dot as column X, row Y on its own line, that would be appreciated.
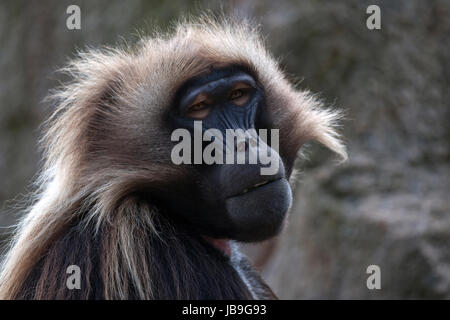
column 255, row 187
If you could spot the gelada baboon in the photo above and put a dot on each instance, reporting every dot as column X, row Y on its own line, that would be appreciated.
column 112, row 202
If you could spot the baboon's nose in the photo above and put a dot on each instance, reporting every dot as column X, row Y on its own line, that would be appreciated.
column 241, row 146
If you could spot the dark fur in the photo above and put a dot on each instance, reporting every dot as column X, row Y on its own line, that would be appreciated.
column 187, row 267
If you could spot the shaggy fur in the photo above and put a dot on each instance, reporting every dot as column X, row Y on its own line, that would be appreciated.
column 106, row 148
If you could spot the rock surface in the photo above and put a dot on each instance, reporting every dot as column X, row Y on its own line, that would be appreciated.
column 389, row 204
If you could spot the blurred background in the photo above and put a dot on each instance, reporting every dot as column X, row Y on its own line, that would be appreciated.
column 387, row 206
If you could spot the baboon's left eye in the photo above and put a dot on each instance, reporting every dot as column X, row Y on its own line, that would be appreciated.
column 236, row 94
column 240, row 94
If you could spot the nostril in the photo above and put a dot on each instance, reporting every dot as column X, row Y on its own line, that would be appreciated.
column 241, row 146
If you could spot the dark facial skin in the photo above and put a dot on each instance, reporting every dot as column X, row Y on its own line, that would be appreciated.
column 231, row 201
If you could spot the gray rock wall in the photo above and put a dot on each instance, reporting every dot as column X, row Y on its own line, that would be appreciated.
column 389, row 204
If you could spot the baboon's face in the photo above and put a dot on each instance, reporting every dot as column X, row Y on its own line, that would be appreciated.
column 229, row 200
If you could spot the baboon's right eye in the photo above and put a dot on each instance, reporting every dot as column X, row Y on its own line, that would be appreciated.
column 199, row 108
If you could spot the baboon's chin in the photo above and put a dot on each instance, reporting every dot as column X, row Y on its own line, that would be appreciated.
column 258, row 214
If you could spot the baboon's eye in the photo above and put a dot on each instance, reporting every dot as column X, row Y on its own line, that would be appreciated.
column 240, row 94
column 199, row 108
